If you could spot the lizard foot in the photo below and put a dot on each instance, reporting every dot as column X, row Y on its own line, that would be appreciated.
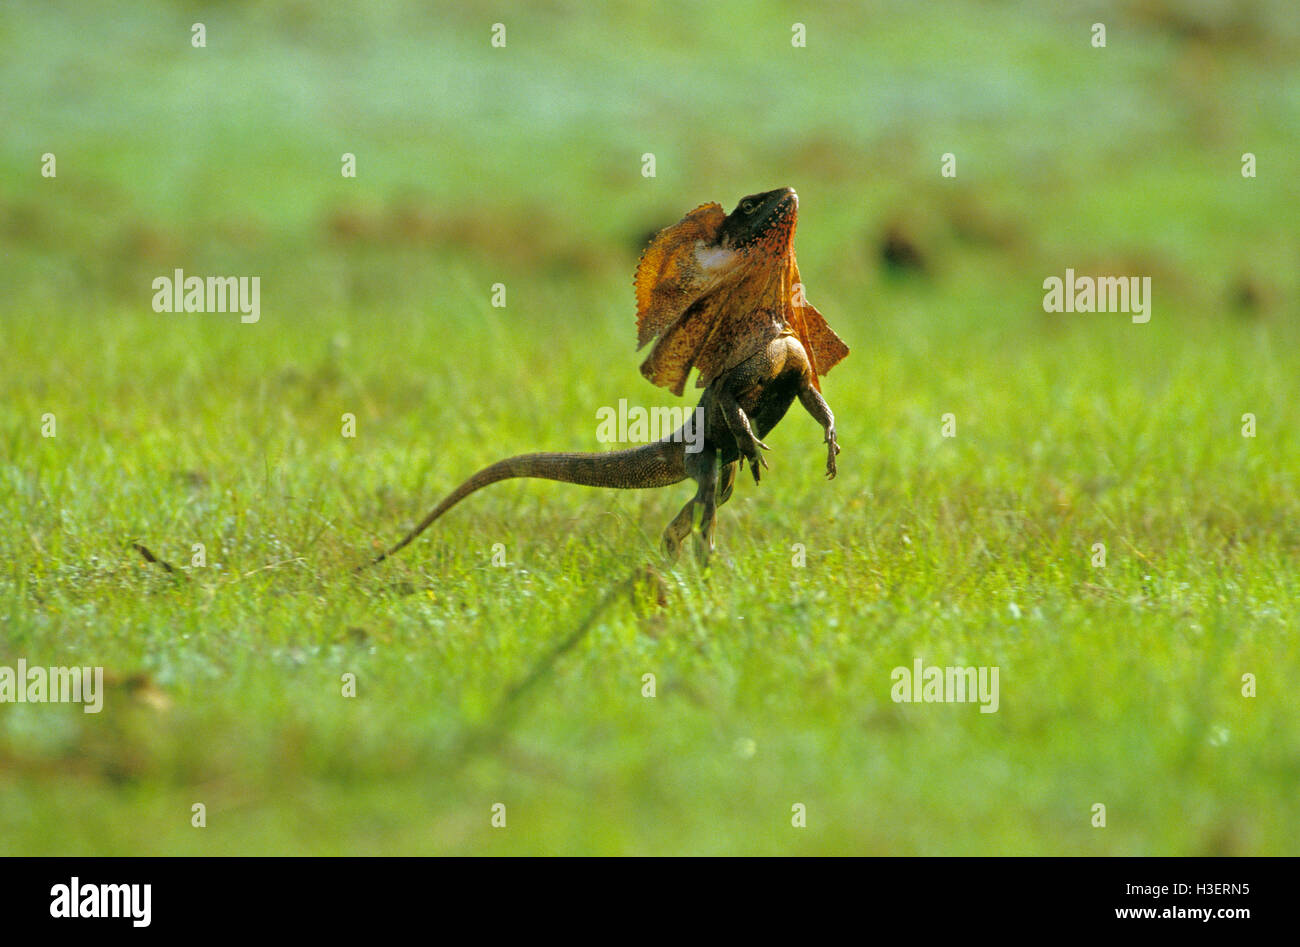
column 703, row 552
column 754, row 456
column 832, row 448
column 708, row 520
column 678, row 530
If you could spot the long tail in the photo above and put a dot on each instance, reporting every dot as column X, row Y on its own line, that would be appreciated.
column 652, row 465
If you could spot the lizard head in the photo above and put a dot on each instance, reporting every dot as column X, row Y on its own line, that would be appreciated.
column 762, row 221
column 713, row 288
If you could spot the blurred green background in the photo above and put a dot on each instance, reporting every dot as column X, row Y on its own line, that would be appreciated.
column 522, row 165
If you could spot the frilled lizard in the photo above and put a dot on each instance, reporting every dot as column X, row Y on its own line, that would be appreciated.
column 719, row 293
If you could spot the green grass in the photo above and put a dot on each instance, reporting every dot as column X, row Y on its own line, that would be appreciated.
column 1119, row 685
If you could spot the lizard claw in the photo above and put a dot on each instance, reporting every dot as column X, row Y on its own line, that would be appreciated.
column 832, row 448
column 752, row 454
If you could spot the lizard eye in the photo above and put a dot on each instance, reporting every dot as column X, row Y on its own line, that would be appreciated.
column 747, row 206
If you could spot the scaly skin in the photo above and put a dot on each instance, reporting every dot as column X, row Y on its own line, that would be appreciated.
column 719, row 293
column 660, row 464
column 740, row 408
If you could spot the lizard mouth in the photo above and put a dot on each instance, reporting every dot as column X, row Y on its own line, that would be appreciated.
column 768, row 218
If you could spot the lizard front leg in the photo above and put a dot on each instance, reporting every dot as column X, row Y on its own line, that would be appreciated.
column 816, row 405
column 738, row 423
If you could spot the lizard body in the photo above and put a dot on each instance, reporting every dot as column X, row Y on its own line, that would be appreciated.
column 722, row 295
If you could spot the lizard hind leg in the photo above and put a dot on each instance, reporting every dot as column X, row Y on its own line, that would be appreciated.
column 726, row 481
column 703, row 469
column 679, row 529
column 708, row 518
column 708, row 501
